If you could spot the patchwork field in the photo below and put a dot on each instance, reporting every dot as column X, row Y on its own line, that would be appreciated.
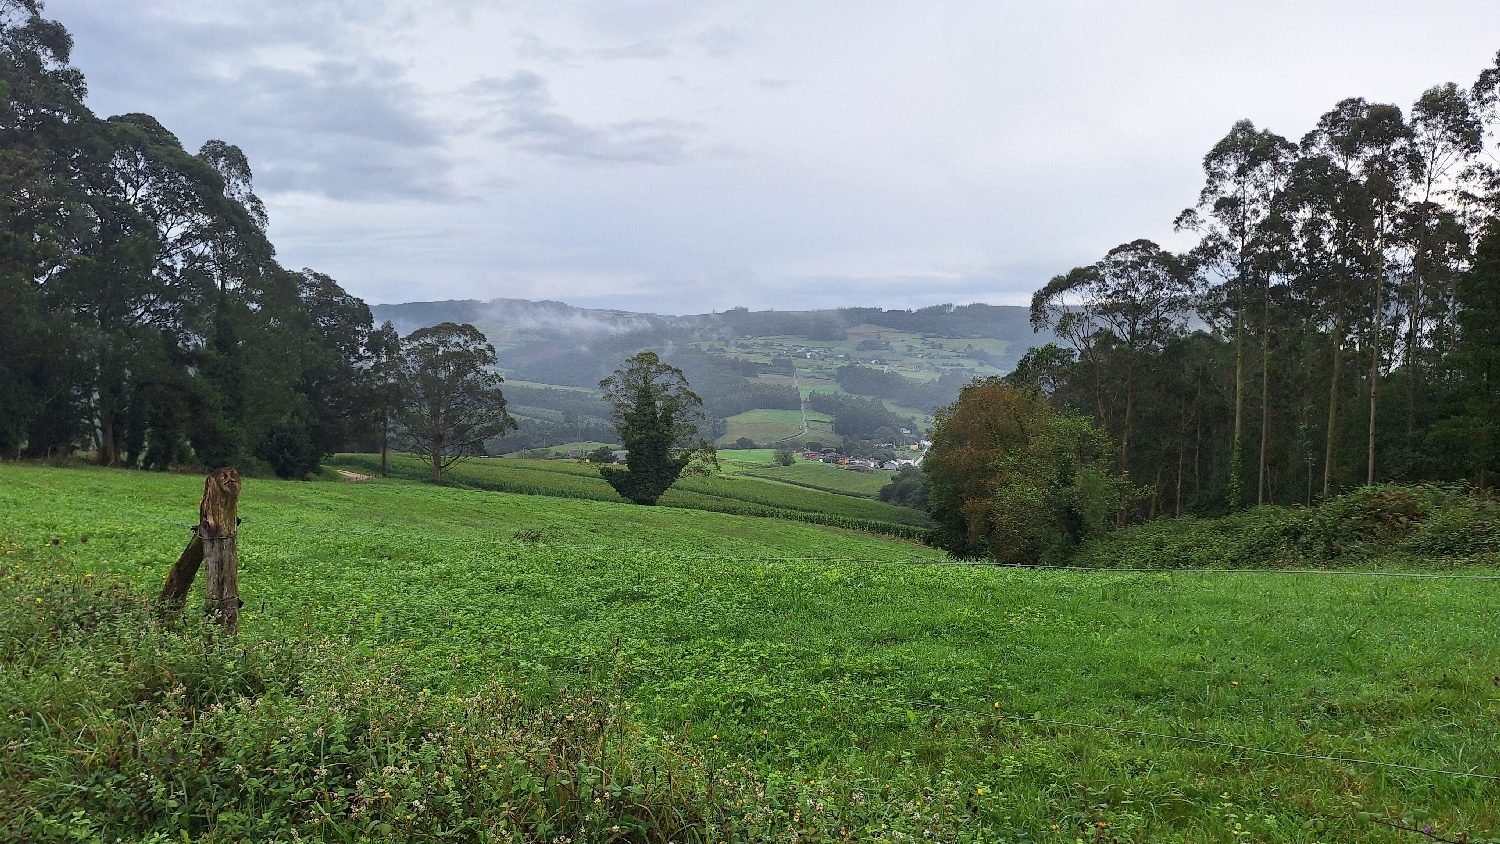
column 737, row 493
column 879, row 694
column 765, row 427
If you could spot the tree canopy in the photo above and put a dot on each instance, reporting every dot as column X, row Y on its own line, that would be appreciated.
column 450, row 401
column 143, row 316
column 1338, row 300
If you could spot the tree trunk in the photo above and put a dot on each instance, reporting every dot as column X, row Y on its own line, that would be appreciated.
column 180, row 578
column 214, row 543
column 218, row 526
column 1236, row 486
column 385, row 437
column 1265, row 395
column 1333, row 408
column 1374, row 381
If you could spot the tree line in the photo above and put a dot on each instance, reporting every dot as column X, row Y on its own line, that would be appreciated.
column 1335, row 325
column 143, row 315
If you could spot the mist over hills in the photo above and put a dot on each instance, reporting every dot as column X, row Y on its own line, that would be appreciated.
column 532, row 335
column 866, row 375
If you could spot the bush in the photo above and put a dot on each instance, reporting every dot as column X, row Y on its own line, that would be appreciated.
column 1422, row 523
column 908, row 488
column 288, row 448
column 1013, row 480
column 785, row 457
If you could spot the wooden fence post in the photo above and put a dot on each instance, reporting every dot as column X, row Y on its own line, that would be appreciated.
column 215, row 545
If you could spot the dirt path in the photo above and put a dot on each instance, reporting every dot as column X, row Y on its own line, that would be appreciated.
column 354, row 477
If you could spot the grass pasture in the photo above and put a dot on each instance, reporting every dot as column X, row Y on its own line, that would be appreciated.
column 766, row 426
column 875, row 695
column 822, row 476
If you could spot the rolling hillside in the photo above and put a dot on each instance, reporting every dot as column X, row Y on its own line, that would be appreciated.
column 834, row 680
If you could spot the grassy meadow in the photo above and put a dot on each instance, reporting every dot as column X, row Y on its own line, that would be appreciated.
column 768, row 426
column 868, row 691
column 822, row 476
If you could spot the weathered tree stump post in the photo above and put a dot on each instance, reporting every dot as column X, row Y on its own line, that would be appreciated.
column 215, row 545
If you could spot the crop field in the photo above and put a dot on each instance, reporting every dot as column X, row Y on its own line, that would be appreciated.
column 736, row 493
column 825, row 477
column 865, row 685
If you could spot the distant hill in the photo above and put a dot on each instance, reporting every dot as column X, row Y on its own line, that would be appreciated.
column 741, row 360
column 539, row 329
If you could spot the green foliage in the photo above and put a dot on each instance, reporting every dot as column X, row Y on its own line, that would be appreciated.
column 602, row 454
column 655, row 414
column 450, row 401
column 907, row 489
column 1013, row 480
column 289, row 449
column 743, row 641
column 134, row 730
column 1428, row 525
column 785, row 457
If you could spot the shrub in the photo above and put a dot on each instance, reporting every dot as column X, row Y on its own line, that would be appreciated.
column 1014, row 480
column 1413, row 523
column 288, row 448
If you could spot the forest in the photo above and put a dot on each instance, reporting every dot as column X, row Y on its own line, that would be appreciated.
column 1336, row 325
column 143, row 314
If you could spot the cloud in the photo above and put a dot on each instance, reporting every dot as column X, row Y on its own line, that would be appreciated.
column 525, row 107
column 313, row 110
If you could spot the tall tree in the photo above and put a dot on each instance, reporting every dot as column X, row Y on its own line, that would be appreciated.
column 657, row 417
column 451, row 403
column 1371, row 145
column 1133, row 301
column 1475, row 430
column 1245, row 171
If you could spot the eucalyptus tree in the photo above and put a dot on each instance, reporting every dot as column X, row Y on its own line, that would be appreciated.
column 1447, row 134
column 451, row 401
column 1132, row 302
column 1245, row 172
column 1361, row 159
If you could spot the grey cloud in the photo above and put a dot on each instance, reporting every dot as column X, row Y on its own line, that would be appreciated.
column 349, row 127
column 722, row 40
column 524, row 105
column 343, row 131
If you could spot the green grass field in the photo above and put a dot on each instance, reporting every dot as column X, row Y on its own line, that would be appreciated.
column 768, row 426
column 879, row 698
column 825, row 477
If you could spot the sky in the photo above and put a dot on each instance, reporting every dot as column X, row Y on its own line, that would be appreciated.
column 682, row 157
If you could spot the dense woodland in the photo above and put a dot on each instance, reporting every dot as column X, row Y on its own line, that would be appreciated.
column 1338, row 323
column 143, row 314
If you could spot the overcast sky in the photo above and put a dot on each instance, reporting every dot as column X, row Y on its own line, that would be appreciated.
column 680, row 157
